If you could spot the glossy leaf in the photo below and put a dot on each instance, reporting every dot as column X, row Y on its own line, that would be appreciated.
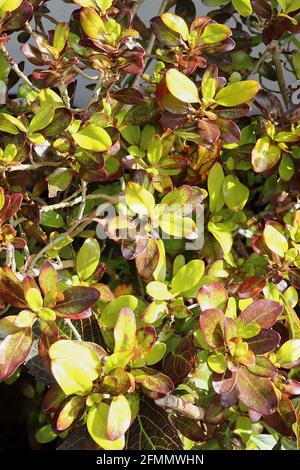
column 181, row 87
column 237, row 93
column 88, row 258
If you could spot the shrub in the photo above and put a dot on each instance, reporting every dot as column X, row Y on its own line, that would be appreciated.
column 150, row 239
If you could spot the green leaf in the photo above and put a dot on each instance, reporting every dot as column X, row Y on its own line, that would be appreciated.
column 222, row 234
column 158, row 290
column 265, row 155
column 215, row 32
column 235, row 193
column 177, row 24
column 59, row 180
column 286, row 167
column 110, row 313
column 125, row 331
column 60, row 36
column 289, row 352
column 97, row 426
column 209, row 82
column 74, row 366
column 181, row 86
column 217, row 362
column 117, row 360
column 187, row 277
column 242, row 6
column 45, row 434
column 119, row 418
column 156, row 353
column 215, row 187
column 138, row 199
column 6, row 6
column 52, row 219
column 237, row 93
column 93, row 138
column 34, row 299
column 155, row 311
column 275, row 241
column 88, row 258
column 91, row 23
column 42, row 118
column 212, row 327
column 104, row 4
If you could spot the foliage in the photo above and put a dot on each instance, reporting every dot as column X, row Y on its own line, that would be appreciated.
column 150, row 240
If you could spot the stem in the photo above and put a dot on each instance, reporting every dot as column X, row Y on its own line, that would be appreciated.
column 31, row 166
column 177, row 404
column 16, row 69
column 164, row 6
column 83, row 199
column 276, row 53
column 69, row 323
column 260, row 62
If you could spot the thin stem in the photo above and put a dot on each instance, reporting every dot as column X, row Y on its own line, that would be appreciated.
column 83, row 199
column 164, row 6
column 260, row 61
column 84, row 74
column 16, row 69
column 69, row 323
column 177, row 404
column 276, row 53
column 31, row 166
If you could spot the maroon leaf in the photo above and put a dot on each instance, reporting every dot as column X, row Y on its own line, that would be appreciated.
column 262, row 8
column 19, row 17
column 284, row 418
column 13, row 351
column 251, row 287
column 263, row 367
column 224, row 383
column 146, row 261
column 212, row 295
column 179, row 363
column 52, row 399
column 11, row 290
column 128, row 96
column 212, row 326
column 189, row 428
column 77, row 300
column 264, row 342
column 155, row 384
column 263, row 312
column 256, row 392
column 48, row 281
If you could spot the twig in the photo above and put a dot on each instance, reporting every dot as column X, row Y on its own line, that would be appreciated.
column 178, row 405
column 276, row 53
column 260, row 62
column 164, row 6
column 16, row 69
column 83, row 74
column 31, row 166
column 73, row 329
column 83, row 199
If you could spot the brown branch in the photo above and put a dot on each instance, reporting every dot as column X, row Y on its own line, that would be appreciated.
column 178, row 405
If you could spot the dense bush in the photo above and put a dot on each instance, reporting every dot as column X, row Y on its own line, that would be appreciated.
column 150, row 239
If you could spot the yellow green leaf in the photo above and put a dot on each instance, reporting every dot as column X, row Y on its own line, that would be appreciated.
column 176, row 23
column 275, row 241
column 213, row 33
column 237, row 93
column 42, row 118
column 74, row 366
column 88, row 258
column 97, row 428
column 119, row 418
column 215, row 188
column 244, row 7
column 93, row 138
column 91, row 23
column 138, row 199
column 125, row 331
column 235, row 193
column 181, row 86
column 158, row 290
column 34, row 299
